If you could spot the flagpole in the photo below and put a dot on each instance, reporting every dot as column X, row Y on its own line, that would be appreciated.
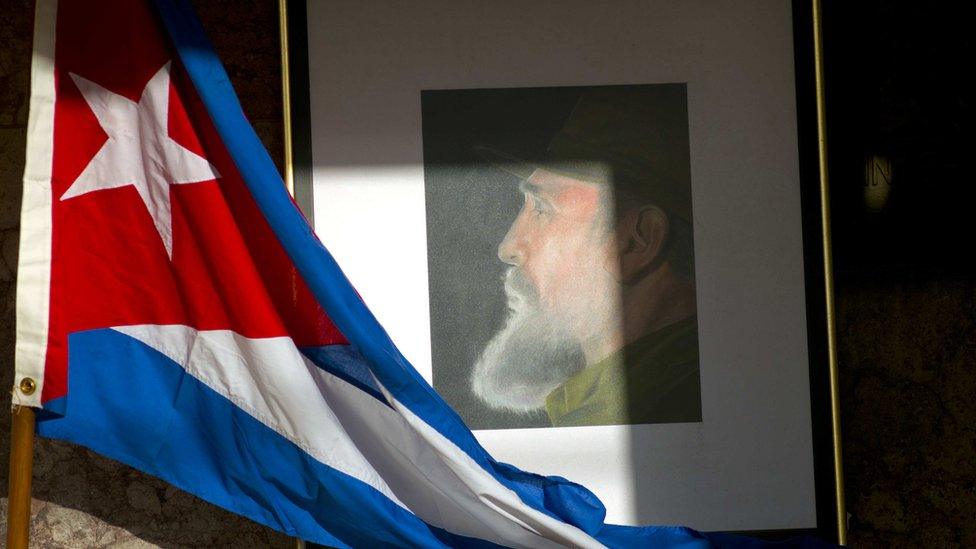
column 21, row 465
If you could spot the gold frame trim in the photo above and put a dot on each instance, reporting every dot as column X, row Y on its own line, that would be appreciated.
column 828, row 274
column 288, row 167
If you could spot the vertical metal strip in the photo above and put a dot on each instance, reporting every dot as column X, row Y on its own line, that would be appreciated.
column 829, row 274
column 289, row 174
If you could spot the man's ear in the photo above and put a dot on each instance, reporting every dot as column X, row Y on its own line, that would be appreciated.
column 641, row 236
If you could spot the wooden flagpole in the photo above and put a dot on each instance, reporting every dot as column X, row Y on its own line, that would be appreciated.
column 21, row 465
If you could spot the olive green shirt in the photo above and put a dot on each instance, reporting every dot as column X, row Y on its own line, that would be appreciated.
column 653, row 380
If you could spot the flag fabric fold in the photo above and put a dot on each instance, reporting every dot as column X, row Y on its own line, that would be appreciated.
column 180, row 316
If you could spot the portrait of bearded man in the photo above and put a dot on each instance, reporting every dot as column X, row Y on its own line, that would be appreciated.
column 600, row 287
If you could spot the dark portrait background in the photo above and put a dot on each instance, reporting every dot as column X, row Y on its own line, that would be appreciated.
column 471, row 203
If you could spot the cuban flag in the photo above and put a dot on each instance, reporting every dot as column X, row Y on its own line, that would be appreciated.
column 176, row 313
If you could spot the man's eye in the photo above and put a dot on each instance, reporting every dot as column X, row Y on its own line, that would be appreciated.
column 540, row 208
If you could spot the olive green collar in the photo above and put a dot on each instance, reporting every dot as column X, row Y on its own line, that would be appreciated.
column 599, row 392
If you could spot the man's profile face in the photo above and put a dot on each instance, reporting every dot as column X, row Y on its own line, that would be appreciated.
column 559, row 238
column 561, row 290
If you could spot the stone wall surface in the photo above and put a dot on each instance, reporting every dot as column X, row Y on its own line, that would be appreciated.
column 907, row 348
column 907, row 351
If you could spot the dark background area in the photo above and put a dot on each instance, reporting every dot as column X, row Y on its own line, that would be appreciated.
column 897, row 85
column 470, row 205
column 905, row 286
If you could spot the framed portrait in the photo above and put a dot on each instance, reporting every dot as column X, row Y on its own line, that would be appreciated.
column 595, row 228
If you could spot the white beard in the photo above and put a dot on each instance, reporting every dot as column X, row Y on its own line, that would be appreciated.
column 530, row 356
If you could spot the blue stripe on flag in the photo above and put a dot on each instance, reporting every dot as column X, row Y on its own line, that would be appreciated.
column 137, row 406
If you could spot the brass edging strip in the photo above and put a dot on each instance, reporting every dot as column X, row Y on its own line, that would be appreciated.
column 829, row 275
column 289, row 174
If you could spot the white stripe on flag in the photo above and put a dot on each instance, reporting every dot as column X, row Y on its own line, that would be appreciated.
column 270, row 380
column 490, row 494
column 338, row 424
column 34, row 261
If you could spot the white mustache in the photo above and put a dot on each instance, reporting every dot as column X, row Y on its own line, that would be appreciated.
column 519, row 289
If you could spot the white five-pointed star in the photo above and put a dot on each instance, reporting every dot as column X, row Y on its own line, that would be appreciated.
column 139, row 150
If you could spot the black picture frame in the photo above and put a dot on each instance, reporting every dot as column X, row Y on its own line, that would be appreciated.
column 828, row 486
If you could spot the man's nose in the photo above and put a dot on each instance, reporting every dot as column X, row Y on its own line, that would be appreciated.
column 508, row 250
